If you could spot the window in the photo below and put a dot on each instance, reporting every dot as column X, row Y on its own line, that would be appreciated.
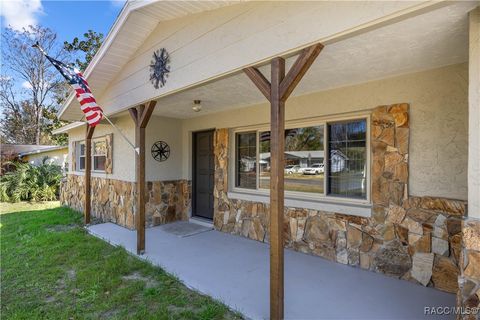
column 246, row 162
column 347, row 159
column 304, row 159
column 81, row 158
column 309, row 168
column 99, row 153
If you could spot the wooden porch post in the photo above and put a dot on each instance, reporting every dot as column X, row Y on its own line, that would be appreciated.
column 141, row 115
column 277, row 92
column 277, row 148
column 88, row 172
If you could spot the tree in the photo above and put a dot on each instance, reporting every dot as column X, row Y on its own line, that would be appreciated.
column 89, row 47
column 24, row 108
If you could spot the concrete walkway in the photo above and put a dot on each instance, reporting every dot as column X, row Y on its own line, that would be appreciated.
column 235, row 271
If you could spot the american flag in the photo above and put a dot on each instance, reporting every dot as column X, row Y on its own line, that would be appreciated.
column 88, row 104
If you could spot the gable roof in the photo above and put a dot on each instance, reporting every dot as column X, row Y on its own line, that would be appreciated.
column 134, row 24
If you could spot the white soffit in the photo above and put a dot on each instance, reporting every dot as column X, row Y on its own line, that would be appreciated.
column 434, row 39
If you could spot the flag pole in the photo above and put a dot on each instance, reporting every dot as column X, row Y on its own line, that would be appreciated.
column 137, row 150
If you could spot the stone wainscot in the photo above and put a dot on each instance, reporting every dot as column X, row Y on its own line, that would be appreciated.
column 115, row 200
column 468, row 296
column 413, row 238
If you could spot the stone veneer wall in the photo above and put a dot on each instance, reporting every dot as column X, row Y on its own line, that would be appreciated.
column 469, row 281
column 412, row 238
column 115, row 200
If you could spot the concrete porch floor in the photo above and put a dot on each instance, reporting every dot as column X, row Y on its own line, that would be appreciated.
column 235, row 271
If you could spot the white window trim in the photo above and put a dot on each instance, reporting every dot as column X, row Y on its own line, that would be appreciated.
column 324, row 202
column 80, row 142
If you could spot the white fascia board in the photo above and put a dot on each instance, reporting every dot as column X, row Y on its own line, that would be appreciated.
column 68, row 127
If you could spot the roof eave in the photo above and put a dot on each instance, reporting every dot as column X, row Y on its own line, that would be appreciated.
column 68, row 127
column 128, row 7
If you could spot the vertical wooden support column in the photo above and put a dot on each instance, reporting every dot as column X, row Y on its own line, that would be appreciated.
column 277, row 148
column 141, row 115
column 88, row 173
column 277, row 92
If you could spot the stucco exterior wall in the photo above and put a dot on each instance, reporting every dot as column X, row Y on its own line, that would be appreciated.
column 159, row 128
column 438, row 138
column 123, row 154
column 439, row 123
column 59, row 157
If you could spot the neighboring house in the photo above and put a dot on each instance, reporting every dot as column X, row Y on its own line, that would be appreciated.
column 55, row 155
column 301, row 158
column 338, row 161
column 391, row 89
column 33, row 153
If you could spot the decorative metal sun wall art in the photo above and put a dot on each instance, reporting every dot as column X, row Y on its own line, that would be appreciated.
column 160, row 151
column 159, row 68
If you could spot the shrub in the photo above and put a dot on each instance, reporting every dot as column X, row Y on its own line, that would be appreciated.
column 31, row 183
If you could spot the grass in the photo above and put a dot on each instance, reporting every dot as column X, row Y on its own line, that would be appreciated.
column 52, row 269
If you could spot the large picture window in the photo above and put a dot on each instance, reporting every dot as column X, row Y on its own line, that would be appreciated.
column 304, row 159
column 341, row 171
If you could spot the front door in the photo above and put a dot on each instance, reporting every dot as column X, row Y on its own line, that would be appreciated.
column 203, row 174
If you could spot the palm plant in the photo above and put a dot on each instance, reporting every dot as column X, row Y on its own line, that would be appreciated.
column 31, row 183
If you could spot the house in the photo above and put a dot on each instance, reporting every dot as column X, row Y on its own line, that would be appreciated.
column 301, row 158
column 54, row 155
column 390, row 90
column 34, row 153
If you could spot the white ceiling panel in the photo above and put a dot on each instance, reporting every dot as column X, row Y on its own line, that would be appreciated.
column 431, row 40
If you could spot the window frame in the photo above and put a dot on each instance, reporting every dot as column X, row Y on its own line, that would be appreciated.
column 296, row 195
column 93, row 155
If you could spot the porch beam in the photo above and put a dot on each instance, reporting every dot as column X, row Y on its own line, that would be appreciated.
column 259, row 80
column 298, row 70
column 277, row 91
column 88, row 173
column 133, row 115
column 146, row 114
column 141, row 116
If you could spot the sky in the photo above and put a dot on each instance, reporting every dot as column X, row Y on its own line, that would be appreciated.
column 69, row 19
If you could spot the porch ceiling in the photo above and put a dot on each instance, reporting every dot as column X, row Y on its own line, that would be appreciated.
column 426, row 41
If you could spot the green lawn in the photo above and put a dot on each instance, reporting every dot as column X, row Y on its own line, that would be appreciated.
column 52, row 269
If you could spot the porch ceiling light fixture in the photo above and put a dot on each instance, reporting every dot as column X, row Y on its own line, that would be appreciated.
column 197, row 105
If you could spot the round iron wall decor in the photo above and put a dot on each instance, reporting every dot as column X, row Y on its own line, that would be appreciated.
column 159, row 68
column 160, row 151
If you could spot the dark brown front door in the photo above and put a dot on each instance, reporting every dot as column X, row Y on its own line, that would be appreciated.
column 203, row 174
